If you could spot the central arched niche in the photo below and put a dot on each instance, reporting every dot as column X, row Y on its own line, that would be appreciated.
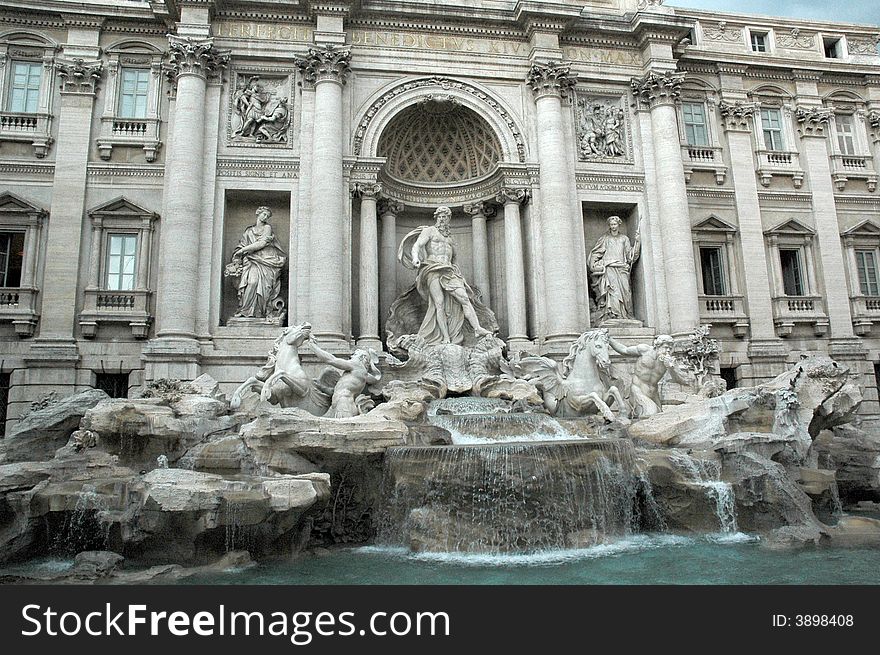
column 438, row 142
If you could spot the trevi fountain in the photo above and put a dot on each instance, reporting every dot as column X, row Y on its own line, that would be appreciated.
column 447, row 457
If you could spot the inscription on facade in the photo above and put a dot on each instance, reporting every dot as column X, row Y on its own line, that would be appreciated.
column 235, row 29
column 446, row 42
column 601, row 56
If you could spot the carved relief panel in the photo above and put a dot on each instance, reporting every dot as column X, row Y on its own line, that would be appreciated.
column 260, row 108
column 602, row 131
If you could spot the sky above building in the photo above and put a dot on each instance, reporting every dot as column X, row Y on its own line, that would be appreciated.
column 847, row 11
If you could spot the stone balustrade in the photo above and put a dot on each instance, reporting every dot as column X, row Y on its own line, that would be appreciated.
column 132, row 132
column 18, row 305
column 866, row 312
column 849, row 167
column 126, row 307
column 725, row 310
column 33, row 128
column 775, row 162
column 789, row 311
column 704, row 158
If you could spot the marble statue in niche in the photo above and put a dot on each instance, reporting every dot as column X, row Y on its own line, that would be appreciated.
column 440, row 307
column 257, row 263
column 261, row 111
column 600, row 131
column 610, row 265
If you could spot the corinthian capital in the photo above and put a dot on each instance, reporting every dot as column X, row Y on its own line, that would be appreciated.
column 195, row 57
column 657, row 88
column 508, row 195
column 551, row 79
column 874, row 119
column 78, row 76
column 480, row 208
column 327, row 64
column 736, row 115
column 390, row 206
column 368, row 190
column 812, row 121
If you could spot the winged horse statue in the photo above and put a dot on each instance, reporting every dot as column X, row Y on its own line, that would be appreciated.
column 581, row 384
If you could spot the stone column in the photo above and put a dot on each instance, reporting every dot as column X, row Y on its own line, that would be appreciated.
column 514, row 269
column 737, row 120
column 79, row 81
column 369, row 268
column 388, row 211
column 193, row 61
column 812, row 123
column 479, row 212
column 327, row 68
column 659, row 91
column 551, row 83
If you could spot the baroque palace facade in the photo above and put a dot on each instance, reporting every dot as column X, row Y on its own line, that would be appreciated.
column 138, row 138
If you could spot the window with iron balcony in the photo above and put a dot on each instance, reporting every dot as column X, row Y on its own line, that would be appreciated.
column 26, row 75
column 131, row 115
column 851, row 157
column 118, row 291
column 21, row 229
column 700, row 146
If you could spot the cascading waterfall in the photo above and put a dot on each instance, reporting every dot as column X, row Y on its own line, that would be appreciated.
column 707, row 474
column 490, row 420
column 510, row 497
column 83, row 527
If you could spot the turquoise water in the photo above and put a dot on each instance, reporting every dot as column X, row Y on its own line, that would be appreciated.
column 643, row 559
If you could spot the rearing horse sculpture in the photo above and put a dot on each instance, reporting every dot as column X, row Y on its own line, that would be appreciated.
column 282, row 380
column 579, row 386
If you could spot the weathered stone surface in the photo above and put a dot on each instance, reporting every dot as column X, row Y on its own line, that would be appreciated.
column 855, row 454
column 41, row 432
column 205, row 385
column 96, row 563
column 138, row 431
column 855, row 532
column 298, row 431
column 766, row 496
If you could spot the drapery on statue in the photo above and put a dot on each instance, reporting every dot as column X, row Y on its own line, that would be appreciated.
column 610, row 264
column 448, row 308
column 257, row 262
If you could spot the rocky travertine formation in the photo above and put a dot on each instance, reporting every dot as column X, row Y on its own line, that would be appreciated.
column 84, row 474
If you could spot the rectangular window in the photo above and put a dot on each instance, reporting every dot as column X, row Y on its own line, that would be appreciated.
column 792, row 272
column 728, row 374
column 25, row 92
column 771, row 124
column 712, row 266
column 759, row 41
column 866, row 260
column 114, row 385
column 134, row 92
column 845, row 134
column 121, row 261
column 832, row 47
column 694, row 114
column 11, row 257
